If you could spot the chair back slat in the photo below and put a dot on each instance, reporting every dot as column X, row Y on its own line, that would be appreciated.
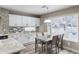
column 61, row 36
column 55, row 40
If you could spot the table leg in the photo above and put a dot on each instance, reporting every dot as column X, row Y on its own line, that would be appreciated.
column 42, row 47
column 36, row 46
column 62, row 44
column 46, row 48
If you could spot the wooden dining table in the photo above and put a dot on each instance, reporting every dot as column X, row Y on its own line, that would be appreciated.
column 43, row 41
column 46, row 41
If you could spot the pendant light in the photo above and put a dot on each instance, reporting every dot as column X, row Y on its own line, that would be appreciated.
column 46, row 20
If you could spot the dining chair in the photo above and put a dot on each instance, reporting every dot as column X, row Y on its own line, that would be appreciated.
column 55, row 43
column 61, row 41
column 37, row 43
column 52, row 45
column 48, row 46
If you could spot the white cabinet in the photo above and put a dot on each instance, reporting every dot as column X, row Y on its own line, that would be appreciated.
column 17, row 20
column 37, row 20
column 34, row 21
column 25, row 21
column 31, row 21
column 12, row 20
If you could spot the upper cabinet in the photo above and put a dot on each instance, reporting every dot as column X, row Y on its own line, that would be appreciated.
column 37, row 20
column 19, row 20
column 12, row 20
column 25, row 20
column 16, row 20
column 34, row 21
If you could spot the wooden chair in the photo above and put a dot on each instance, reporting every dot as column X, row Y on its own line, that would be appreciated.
column 61, row 41
column 55, row 43
column 48, row 46
column 37, row 42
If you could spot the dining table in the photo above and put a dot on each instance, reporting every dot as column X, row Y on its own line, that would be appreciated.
column 45, row 40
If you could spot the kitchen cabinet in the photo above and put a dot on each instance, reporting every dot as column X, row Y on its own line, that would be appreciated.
column 28, row 37
column 25, row 21
column 17, row 20
column 10, row 45
column 37, row 20
column 12, row 20
column 31, row 21
column 34, row 22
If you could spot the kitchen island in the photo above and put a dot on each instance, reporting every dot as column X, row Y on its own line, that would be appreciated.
column 9, row 46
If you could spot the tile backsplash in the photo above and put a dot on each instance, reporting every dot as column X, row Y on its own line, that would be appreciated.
column 16, row 29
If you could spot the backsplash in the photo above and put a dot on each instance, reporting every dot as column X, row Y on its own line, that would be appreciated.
column 21, row 29
column 16, row 29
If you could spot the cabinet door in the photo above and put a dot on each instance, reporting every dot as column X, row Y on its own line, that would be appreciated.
column 31, row 22
column 25, row 21
column 12, row 20
column 34, row 22
column 19, row 20
column 37, row 21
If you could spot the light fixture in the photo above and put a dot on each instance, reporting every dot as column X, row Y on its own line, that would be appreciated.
column 47, row 20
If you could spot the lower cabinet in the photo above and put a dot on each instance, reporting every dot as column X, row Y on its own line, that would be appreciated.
column 24, row 38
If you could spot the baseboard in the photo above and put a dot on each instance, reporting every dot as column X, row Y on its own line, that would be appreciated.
column 72, row 50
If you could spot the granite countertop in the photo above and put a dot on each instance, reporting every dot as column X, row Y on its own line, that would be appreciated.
column 3, row 34
column 10, row 46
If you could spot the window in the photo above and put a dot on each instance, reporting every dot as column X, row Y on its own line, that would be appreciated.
column 30, row 29
column 68, row 25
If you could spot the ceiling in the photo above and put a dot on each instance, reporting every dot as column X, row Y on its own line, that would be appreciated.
column 35, row 9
